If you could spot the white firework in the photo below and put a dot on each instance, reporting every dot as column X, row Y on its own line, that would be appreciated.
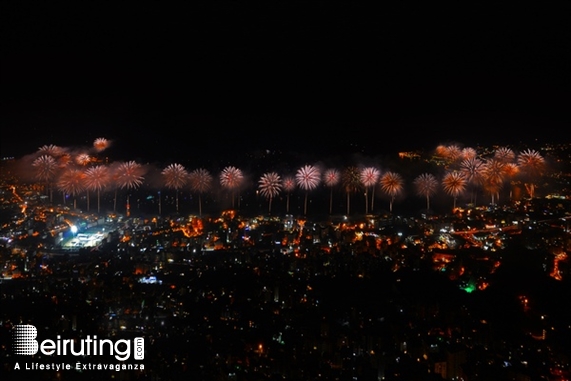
column 331, row 177
column 369, row 176
column 308, row 177
column 270, row 184
column 231, row 177
column 289, row 183
column 46, row 167
column 51, row 149
column 200, row 182
column 175, row 176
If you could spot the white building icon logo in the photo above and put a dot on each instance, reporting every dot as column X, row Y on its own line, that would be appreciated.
column 25, row 339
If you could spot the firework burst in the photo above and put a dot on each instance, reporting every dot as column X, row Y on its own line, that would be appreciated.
column 307, row 178
column 331, row 177
column 493, row 177
column 64, row 160
column 231, row 178
column 270, row 185
column 392, row 184
column 201, row 182
column 100, row 144
column 454, row 183
column 96, row 178
column 531, row 161
column 473, row 169
column 453, row 152
column 426, row 185
column 83, row 159
column 46, row 167
column 289, row 185
column 127, row 175
column 450, row 152
column 175, row 177
column 511, row 170
column 71, row 182
column 51, row 150
column 369, row 177
column 504, row 154
column 531, row 165
column 468, row 153
column 351, row 179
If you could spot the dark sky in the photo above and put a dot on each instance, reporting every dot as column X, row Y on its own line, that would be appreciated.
column 164, row 81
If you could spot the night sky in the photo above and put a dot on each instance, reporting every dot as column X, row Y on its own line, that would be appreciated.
column 171, row 81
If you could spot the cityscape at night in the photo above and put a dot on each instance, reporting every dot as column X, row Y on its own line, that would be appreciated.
column 452, row 264
column 289, row 191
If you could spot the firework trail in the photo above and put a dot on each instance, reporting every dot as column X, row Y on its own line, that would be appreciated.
column 270, row 185
column 96, row 178
column 351, row 179
column 201, row 182
column 331, row 177
column 454, row 183
column 100, row 144
column 288, row 186
column 531, row 165
column 474, row 170
column 127, row 175
column 426, row 185
column 392, row 184
column 71, row 182
column 175, row 177
column 369, row 177
column 46, row 167
column 307, row 178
